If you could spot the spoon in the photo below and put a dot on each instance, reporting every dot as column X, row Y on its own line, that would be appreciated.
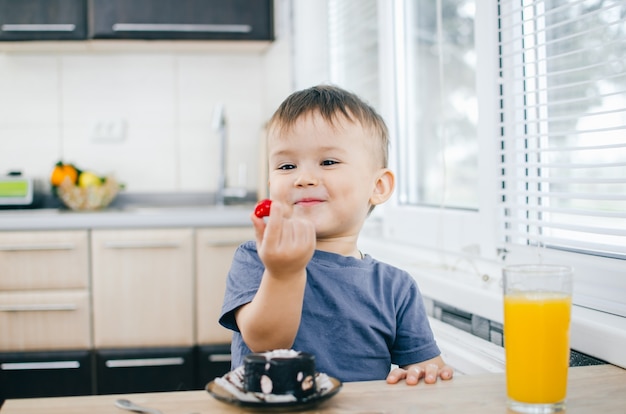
column 129, row 405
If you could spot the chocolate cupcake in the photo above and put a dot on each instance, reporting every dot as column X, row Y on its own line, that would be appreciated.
column 280, row 372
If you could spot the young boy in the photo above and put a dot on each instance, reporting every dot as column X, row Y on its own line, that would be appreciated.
column 304, row 284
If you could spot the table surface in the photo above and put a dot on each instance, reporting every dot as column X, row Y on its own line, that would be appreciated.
column 591, row 389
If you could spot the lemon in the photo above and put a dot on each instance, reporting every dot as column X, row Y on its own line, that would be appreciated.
column 88, row 179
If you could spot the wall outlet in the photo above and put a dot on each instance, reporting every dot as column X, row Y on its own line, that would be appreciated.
column 113, row 131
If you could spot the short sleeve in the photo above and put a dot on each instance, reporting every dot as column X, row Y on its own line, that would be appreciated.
column 414, row 338
column 242, row 283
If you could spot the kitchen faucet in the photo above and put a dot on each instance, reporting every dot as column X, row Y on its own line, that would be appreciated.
column 219, row 126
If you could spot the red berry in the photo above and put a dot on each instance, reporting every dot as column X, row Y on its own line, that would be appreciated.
column 262, row 208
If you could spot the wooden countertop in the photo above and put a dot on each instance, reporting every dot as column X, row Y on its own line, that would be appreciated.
column 591, row 389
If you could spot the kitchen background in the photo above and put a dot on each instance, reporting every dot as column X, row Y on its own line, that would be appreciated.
column 142, row 111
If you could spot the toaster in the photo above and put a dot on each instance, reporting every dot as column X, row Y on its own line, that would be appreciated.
column 17, row 191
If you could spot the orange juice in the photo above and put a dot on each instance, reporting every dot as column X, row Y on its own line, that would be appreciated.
column 536, row 342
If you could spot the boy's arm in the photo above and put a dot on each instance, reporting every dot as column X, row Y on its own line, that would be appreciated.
column 430, row 370
column 285, row 246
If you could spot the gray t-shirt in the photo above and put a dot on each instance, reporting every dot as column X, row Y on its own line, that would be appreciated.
column 358, row 316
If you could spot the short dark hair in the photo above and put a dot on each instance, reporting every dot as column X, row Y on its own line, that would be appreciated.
column 330, row 101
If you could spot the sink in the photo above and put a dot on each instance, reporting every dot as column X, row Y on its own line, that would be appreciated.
column 151, row 203
column 185, row 209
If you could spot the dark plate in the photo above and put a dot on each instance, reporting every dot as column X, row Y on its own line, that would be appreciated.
column 221, row 394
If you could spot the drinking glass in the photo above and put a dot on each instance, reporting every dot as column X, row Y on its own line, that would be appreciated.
column 537, row 309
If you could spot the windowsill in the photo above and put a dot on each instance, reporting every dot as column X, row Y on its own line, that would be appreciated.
column 595, row 333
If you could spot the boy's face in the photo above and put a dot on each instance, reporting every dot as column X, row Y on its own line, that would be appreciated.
column 326, row 173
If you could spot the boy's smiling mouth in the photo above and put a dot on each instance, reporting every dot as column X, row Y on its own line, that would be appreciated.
column 309, row 201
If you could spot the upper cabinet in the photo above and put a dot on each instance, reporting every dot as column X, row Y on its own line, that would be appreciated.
column 136, row 19
column 182, row 19
column 43, row 19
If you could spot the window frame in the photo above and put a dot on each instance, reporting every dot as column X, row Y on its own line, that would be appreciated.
column 453, row 234
column 449, row 230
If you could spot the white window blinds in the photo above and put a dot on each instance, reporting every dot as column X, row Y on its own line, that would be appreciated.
column 563, row 124
column 353, row 47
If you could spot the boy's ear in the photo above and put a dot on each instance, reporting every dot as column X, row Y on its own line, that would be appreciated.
column 383, row 188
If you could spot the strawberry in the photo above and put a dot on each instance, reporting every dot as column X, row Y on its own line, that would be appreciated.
column 262, row 208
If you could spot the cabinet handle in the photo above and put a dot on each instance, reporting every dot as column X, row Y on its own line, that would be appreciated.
column 189, row 28
column 220, row 358
column 141, row 245
column 39, row 307
column 144, row 362
column 38, row 27
column 24, row 366
column 37, row 247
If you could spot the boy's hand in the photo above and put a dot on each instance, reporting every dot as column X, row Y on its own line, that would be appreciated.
column 285, row 244
column 429, row 370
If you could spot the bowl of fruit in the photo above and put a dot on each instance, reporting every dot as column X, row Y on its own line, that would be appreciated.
column 83, row 189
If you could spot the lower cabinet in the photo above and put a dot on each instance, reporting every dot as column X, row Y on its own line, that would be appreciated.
column 121, row 371
column 142, row 286
column 45, row 374
column 117, row 311
column 110, row 371
column 213, row 361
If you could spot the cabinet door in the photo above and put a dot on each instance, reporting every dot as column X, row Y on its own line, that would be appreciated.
column 183, row 19
column 45, row 374
column 142, row 287
column 121, row 371
column 43, row 19
column 44, row 260
column 44, row 320
column 213, row 361
column 214, row 253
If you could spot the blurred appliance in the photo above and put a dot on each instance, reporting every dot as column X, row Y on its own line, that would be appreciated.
column 18, row 191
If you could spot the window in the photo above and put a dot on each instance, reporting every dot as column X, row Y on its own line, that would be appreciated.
column 563, row 147
column 542, row 170
column 508, row 124
column 353, row 44
column 563, row 127
column 437, row 88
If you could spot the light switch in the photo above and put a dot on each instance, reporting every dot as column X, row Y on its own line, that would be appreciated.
column 113, row 131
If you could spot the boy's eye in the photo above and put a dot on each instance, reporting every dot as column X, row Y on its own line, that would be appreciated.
column 329, row 162
column 286, row 167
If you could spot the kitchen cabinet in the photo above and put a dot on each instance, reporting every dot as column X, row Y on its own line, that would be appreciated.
column 43, row 20
column 113, row 310
column 44, row 260
column 45, row 374
column 214, row 252
column 142, row 286
column 44, row 296
column 38, row 320
column 145, row 370
column 45, row 337
column 212, row 361
column 182, row 19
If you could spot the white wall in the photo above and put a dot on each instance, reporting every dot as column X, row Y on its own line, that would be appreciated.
column 53, row 104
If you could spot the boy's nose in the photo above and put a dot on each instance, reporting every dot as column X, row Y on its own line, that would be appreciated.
column 306, row 178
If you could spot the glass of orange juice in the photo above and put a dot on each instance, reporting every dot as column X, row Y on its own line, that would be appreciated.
column 537, row 309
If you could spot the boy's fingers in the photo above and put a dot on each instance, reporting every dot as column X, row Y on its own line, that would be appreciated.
column 259, row 227
column 430, row 373
column 414, row 374
column 396, row 375
column 446, row 372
